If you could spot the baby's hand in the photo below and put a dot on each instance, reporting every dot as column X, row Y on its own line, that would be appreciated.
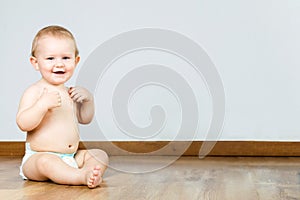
column 50, row 99
column 80, row 94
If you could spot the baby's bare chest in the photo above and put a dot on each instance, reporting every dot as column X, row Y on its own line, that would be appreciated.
column 65, row 112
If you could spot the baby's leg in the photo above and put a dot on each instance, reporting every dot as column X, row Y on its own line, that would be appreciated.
column 43, row 166
column 95, row 161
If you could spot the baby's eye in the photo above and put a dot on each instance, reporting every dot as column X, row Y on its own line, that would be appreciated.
column 50, row 58
column 66, row 58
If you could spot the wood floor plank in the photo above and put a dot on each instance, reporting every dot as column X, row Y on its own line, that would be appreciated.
column 212, row 178
column 237, row 184
column 278, row 183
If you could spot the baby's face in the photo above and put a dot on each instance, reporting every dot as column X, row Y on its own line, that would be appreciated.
column 55, row 59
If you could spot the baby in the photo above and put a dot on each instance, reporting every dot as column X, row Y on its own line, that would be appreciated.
column 49, row 112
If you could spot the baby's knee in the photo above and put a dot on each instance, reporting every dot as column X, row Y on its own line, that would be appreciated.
column 100, row 154
column 104, row 156
column 38, row 166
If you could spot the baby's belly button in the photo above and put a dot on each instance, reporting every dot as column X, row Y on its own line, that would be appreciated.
column 71, row 147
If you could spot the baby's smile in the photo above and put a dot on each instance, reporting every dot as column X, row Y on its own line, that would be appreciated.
column 59, row 71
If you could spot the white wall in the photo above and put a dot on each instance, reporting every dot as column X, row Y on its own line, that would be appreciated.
column 254, row 45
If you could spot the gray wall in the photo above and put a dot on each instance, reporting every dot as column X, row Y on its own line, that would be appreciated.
column 254, row 45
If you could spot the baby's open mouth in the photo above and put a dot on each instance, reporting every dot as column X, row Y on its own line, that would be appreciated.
column 58, row 72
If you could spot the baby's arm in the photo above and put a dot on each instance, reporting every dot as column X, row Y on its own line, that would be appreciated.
column 85, row 104
column 34, row 106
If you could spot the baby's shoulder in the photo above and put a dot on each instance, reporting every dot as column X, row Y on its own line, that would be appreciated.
column 33, row 90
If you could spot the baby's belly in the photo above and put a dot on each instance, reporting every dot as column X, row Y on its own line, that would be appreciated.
column 59, row 137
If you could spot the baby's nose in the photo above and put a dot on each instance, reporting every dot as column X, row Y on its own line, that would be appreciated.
column 59, row 63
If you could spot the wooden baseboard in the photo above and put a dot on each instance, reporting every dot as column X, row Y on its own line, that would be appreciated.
column 221, row 148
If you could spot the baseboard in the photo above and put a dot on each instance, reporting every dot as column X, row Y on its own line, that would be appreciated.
column 221, row 148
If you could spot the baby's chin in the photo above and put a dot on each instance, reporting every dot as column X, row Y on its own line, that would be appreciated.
column 59, row 78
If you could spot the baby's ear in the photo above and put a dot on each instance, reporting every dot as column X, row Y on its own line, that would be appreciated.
column 77, row 59
column 34, row 62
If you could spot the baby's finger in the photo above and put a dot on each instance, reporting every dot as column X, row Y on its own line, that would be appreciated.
column 71, row 89
column 75, row 97
column 75, row 94
column 80, row 99
column 58, row 98
column 59, row 102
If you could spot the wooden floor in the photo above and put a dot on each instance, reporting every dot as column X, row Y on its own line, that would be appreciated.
column 188, row 178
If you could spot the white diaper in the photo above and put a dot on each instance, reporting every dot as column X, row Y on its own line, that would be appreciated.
column 67, row 158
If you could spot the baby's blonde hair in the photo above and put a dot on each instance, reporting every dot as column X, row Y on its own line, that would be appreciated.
column 55, row 31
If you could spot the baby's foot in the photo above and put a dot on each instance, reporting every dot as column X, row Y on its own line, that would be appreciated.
column 94, row 177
